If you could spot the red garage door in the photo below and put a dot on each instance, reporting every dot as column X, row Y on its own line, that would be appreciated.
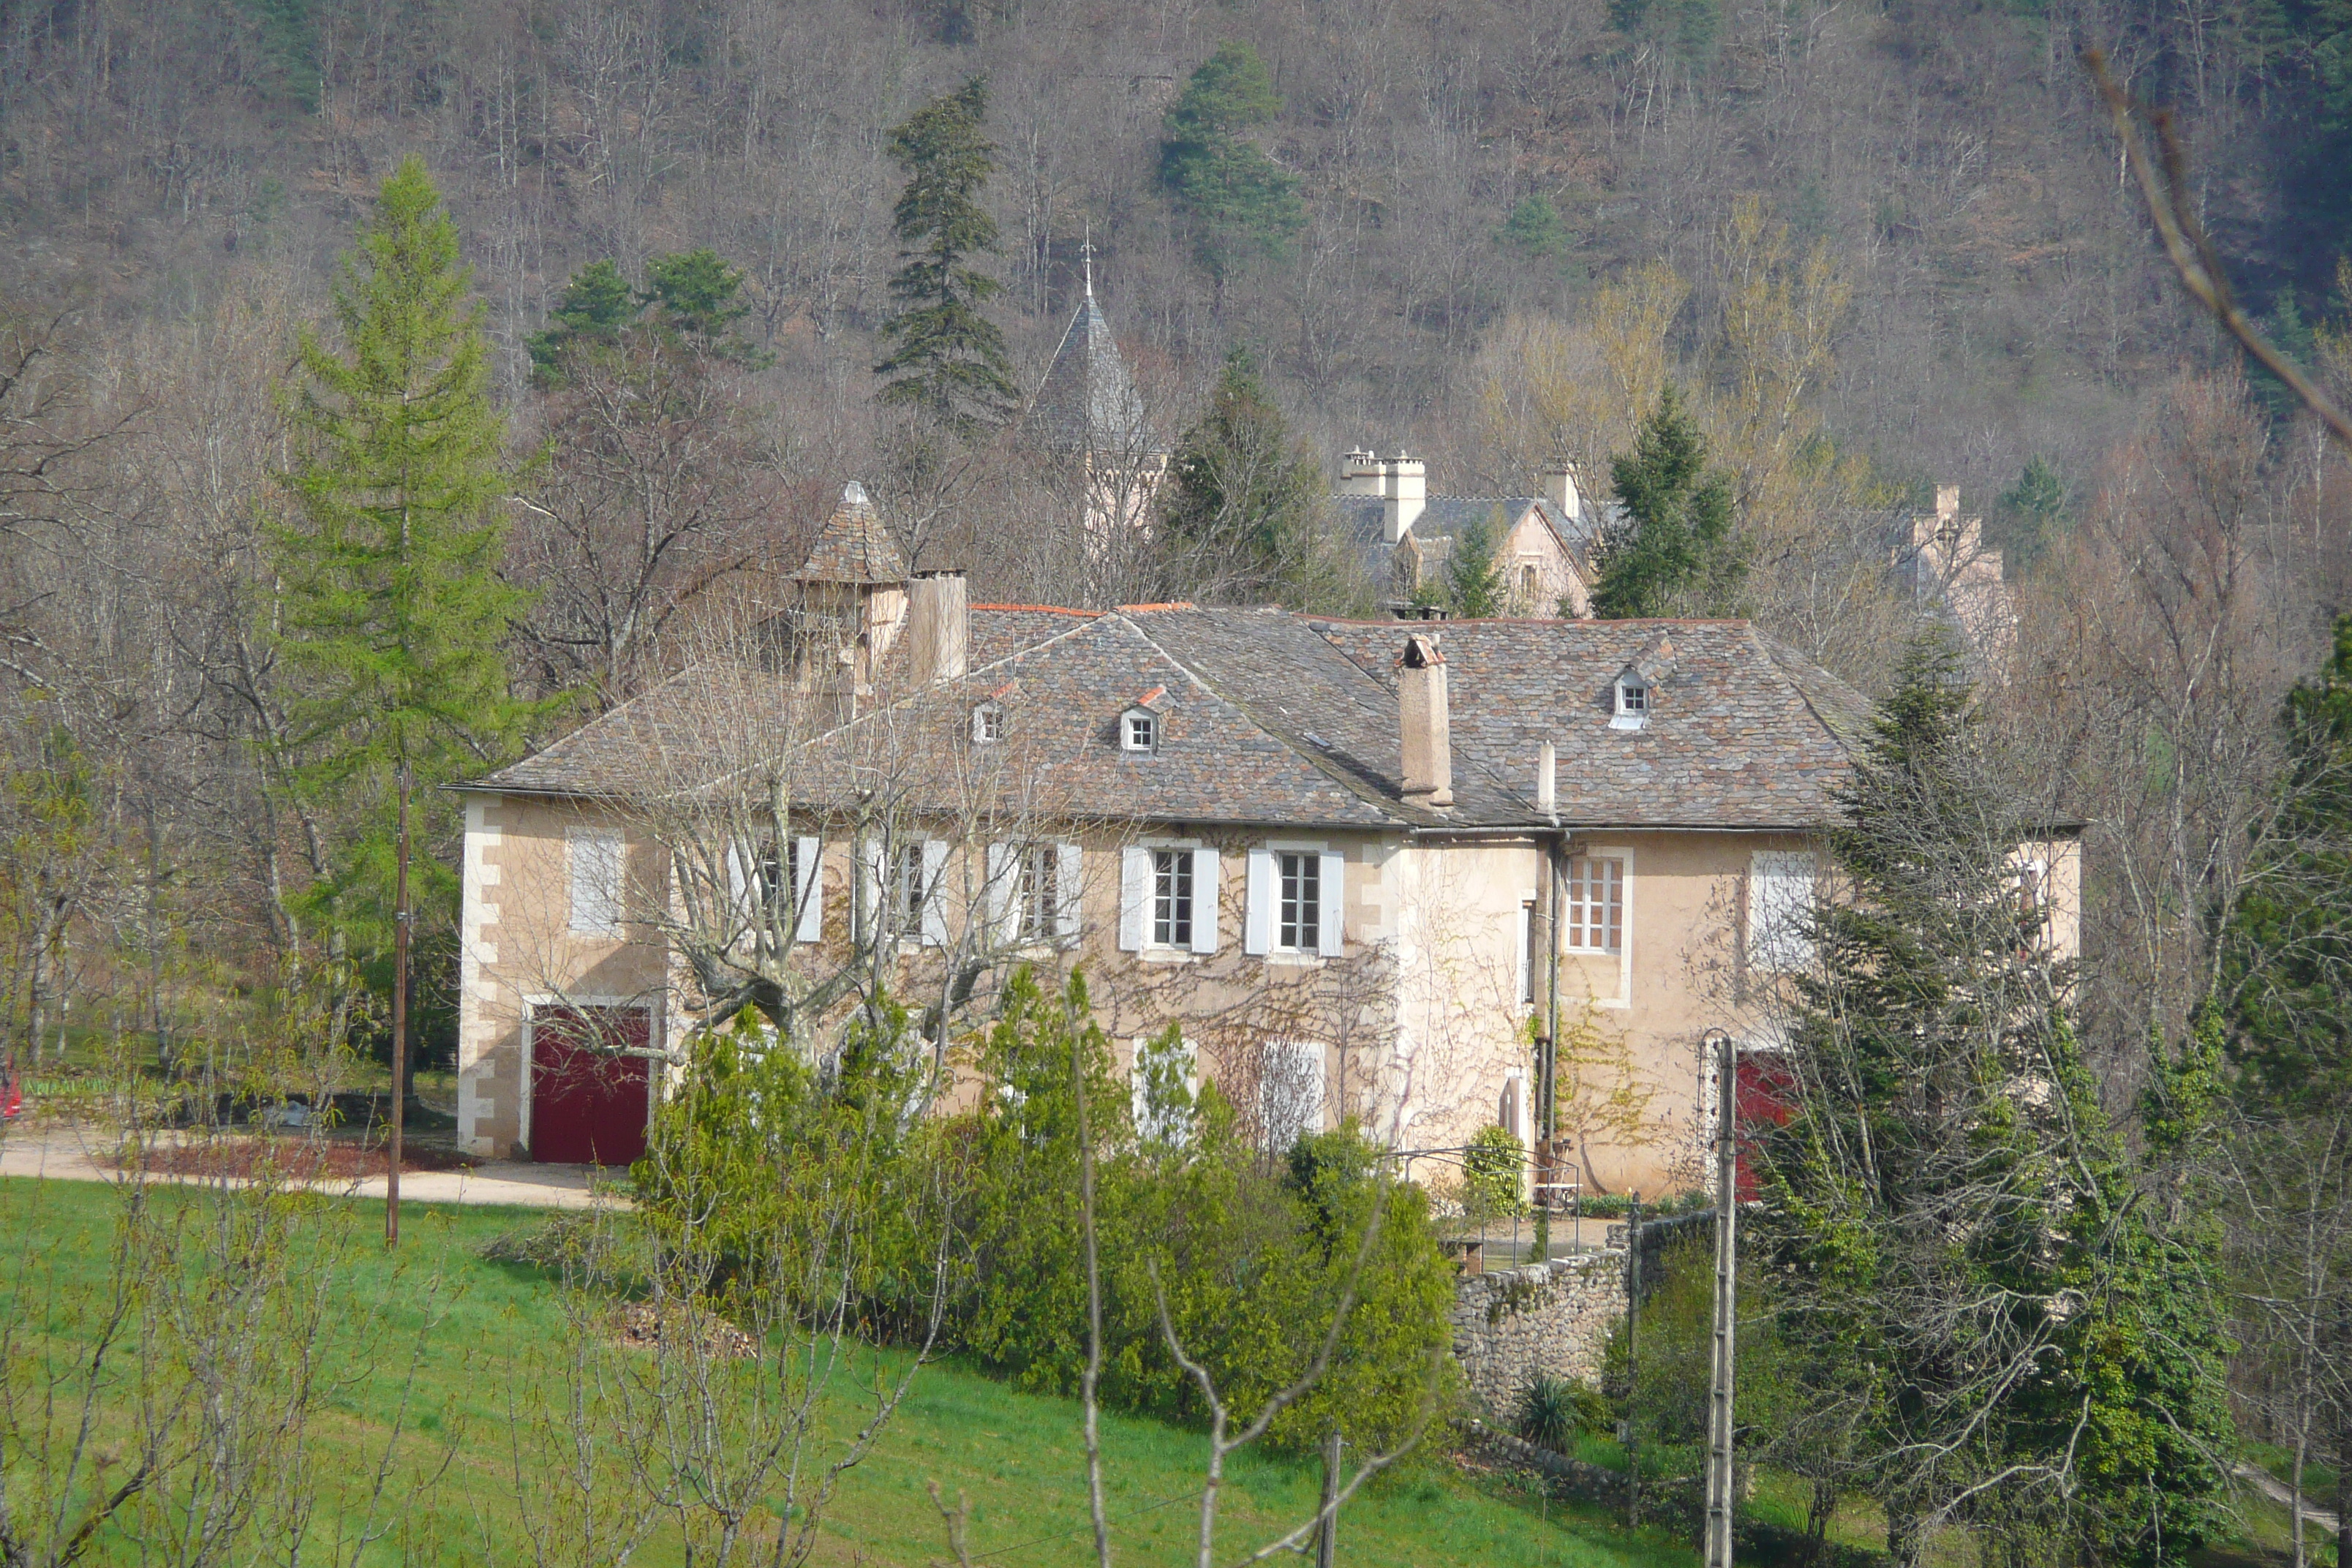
column 588, row 1105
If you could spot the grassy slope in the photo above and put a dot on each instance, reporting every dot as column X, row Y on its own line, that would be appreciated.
column 1015, row 1456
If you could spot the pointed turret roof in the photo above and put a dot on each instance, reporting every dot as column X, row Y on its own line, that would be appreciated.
column 1088, row 402
column 853, row 547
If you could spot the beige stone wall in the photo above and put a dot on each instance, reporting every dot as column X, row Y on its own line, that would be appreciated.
column 518, row 949
column 1516, row 1325
column 1533, row 544
column 1422, row 1022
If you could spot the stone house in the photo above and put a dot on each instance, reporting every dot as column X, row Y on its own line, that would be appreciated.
column 1360, row 865
column 1542, row 543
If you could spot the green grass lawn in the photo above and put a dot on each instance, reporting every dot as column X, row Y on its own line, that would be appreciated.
column 1016, row 1456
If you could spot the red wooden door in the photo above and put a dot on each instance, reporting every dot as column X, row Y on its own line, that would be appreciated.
column 589, row 1106
column 1765, row 1090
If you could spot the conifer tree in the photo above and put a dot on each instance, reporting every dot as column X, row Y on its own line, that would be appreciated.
column 947, row 360
column 1243, row 492
column 1673, row 552
column 1473, row 571
column 391, row 609
column 1242, row 201
column 597, row 303
column 1949, row 1221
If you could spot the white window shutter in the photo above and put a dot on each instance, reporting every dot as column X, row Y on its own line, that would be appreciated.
column 1134, row 898
column 1204, row 900
column 1257, row 935
column 1330, row 926
column 1000, row 894
column 809, row 897
column 739, row 885
column 1779, row 896
column 598, row 864
column 1069, row 887
column 935, row 908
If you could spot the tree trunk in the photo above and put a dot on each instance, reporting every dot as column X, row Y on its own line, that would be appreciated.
column 1902, row 1539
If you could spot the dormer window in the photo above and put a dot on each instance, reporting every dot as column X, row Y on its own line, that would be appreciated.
column 988, row 724
column 1139, row 730
column 1632, row 706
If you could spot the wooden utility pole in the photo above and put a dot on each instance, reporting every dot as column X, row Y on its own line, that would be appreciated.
column 1633, row 1359
column 1726, row 1209
column 399, row 1020
column 1327, row 1538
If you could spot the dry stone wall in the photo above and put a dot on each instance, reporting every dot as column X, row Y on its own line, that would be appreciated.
column 1552, row 1321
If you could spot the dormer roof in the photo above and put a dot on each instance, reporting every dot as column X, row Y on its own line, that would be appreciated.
column 854, row 546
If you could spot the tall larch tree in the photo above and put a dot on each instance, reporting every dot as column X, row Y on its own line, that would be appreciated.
column 391, row 611
column 947, row 359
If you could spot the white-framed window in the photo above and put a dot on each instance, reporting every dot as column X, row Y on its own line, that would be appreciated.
column 1138, row 729
column 1779, row 910
column 908, row 890
column 1592, row 912
column 1171, row 897
column 1298, row 917
column 1530, row 583
column 1290, row 1092
column 1034, row 892
column 987, row 723
column 1295, row 897
column 782, row 885
column 1631, row 709
column 596, row 867
column 1167, row 899
column 1039, row 894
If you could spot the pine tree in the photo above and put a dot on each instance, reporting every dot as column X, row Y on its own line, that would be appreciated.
column 1673, row 550
column 596, row 305
column 1950, row 1224
column 1242, row 204
column 1473, row 572
column 947, row 360
column 2032, row 511
column 393, row 611
column 1243, row 494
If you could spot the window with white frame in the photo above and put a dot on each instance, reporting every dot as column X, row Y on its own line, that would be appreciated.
column 1040, row 894
column 987, row 724
column 1593, row 908
column 1298, row 920
column 908, row 890
column 596, row 863
column 1138, row 729
column 1779, row 910
column 1171, row 897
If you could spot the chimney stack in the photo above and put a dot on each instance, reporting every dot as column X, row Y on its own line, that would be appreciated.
column 1404, row 489
column 1547, row 779
column 1359, row 474
column 1557, row 484
column 1422, row 708
column 937, row 627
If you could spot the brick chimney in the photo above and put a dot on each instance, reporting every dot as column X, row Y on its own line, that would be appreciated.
column 1405, row 490
column 1421, row 709
column 937, row 627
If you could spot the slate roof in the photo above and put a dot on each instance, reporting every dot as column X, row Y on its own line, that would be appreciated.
column 1088, row 402
column 854, row 546
column 1274, row 719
